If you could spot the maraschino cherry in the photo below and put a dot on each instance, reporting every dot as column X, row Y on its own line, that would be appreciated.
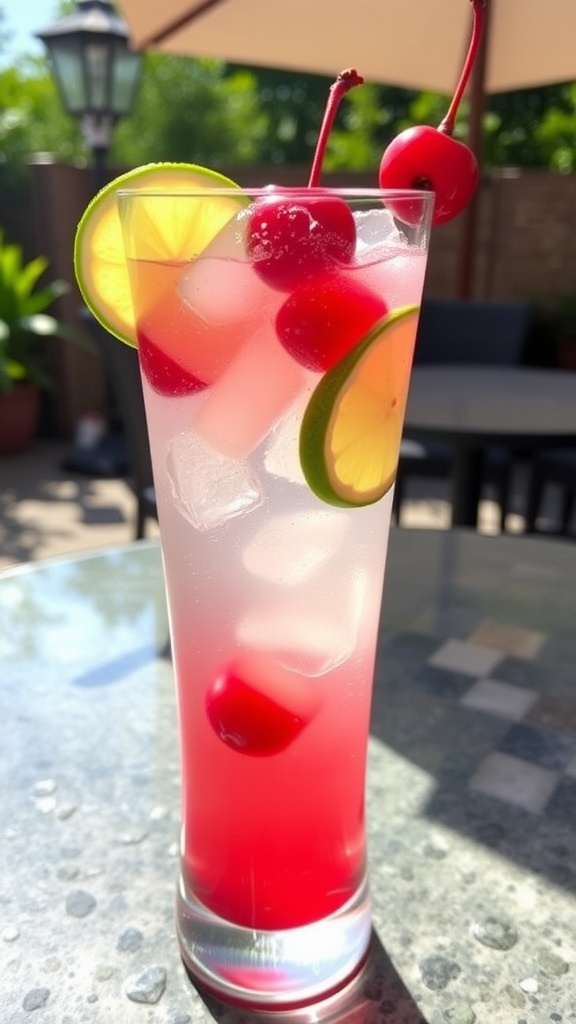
column 325, row 317
column 163, row 374
column 430, row 158
column 293, row 234
column 257, row 707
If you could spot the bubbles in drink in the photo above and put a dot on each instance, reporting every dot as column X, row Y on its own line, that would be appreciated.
column 291, row 549
column 208, row 487
column 399, row 277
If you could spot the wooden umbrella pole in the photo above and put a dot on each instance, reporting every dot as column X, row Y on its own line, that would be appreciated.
column 470, row 216
column 183, row 19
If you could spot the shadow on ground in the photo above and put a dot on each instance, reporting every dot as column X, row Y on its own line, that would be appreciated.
column 46, row 510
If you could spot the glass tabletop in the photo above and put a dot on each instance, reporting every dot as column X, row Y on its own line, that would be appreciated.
column 494, row 403
column 471, row 791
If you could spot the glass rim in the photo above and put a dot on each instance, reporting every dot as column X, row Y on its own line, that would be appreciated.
column 290, row 191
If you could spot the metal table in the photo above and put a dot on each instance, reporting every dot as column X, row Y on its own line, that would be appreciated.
column 471, row 792
column 476, row 407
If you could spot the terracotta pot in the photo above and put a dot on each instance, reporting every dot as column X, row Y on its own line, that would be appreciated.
column 19, row 414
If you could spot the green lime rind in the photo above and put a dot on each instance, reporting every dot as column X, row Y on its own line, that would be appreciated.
column 318, row 417
column 99, row 206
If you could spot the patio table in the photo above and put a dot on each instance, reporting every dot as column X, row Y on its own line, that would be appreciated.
column 477, row 407
column 471, row 792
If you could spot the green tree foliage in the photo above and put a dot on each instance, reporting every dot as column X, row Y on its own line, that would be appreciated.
column 532, row 128
column 191, row 110
column 371, row 116
column 556, row 133
column 31, row 121
column 218, row 114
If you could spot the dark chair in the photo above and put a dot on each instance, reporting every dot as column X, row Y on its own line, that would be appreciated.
column 552, row 466
column 123, row 373
column 473, row 332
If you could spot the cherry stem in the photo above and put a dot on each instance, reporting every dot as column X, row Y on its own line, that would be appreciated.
column 346, row 80
column 479, row 10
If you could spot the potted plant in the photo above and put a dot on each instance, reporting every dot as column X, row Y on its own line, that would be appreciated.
column 24, row 326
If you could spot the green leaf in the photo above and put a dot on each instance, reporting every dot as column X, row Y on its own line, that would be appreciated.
column 30, row 275
column 43, row 299
column 14, row 370
column 24, row 324
column 41, row 325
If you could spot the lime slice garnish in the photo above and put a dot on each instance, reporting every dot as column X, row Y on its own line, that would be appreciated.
column 179, row 231
column 352, row 427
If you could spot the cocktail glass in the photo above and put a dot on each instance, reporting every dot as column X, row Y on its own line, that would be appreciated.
column 273, row 591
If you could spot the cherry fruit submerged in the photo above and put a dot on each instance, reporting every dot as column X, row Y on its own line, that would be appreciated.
column 257, row 707
column 293, row 237
column 323, row 319
column 163, row 373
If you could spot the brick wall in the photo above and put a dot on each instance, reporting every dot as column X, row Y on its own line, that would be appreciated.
column 526, row 240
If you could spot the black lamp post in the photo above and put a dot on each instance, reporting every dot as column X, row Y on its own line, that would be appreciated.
column 96, row 73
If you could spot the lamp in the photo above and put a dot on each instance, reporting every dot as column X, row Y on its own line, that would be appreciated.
column 96, row 72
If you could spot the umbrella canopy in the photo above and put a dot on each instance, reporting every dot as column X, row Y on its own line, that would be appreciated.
column 417, row 44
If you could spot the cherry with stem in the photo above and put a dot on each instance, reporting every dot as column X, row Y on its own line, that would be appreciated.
column 430, row 158
column 346, row 80
column 295, row 233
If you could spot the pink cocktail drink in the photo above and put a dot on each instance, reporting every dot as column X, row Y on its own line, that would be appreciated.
column 274, row 561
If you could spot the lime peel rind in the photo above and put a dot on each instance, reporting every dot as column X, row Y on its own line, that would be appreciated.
column 322, row 413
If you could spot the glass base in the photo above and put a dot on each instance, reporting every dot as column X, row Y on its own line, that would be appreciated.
column 273, row 969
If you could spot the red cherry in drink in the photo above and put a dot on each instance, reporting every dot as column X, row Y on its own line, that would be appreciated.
column 426, row 158
column 292, row 236
column 325, row 317
column 163, row 374
column 257, row 706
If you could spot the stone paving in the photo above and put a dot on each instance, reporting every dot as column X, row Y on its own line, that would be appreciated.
column 46, row 511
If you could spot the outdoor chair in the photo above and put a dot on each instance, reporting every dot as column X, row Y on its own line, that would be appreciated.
column 473, row 332
column 123, row 373
column 552, row 466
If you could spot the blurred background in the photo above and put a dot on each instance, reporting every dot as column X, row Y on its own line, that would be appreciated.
column 261, row 124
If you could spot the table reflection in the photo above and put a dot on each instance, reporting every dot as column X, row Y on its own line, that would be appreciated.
column 471, row 791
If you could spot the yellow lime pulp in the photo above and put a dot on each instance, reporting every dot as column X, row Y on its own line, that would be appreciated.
column 171, row 230
column 352, row 427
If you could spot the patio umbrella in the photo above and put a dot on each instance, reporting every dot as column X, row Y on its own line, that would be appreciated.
column 415, row 44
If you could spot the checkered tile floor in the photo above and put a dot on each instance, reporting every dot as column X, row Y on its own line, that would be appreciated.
column 532, row 765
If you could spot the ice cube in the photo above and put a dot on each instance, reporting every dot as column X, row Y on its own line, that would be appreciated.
column 312, row 633
column 398, row 277
column 282, row 457
column 221, row 286
column 292, row 548
column 209, row 488
column 386, row 263
column 243, row 405
column 374, row 229
column 213, row 307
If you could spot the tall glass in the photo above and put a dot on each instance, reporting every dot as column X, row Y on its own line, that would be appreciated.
column 273, row 592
